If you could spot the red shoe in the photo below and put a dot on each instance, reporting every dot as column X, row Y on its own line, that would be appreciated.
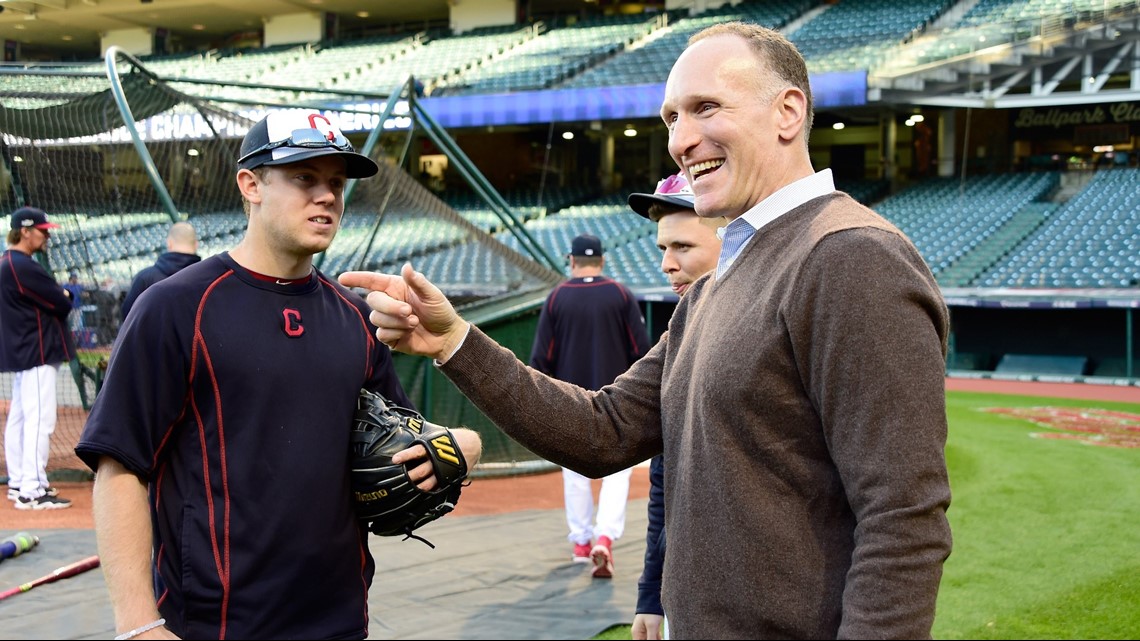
column 603, row 556
column 581, row 553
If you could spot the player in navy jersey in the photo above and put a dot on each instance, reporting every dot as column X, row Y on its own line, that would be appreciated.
column 590, row 331
column 34, row 340
column 689, row 248
column 221, row 434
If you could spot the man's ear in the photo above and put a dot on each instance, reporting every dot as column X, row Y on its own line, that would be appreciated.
column 249, row 185
column 791, row 112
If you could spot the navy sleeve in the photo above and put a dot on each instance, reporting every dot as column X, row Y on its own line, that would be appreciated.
column 142, row 281
column 649, row 585
column 544, row 353
column 129, row 299
column 41, row 290
column 639, row 334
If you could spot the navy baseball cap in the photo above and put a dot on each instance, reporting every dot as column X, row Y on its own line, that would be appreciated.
column 31, row 217
column 586, row 245
column 290, row 136
column 673, row 191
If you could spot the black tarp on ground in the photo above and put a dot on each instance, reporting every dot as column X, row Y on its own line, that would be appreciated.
column 490, row 577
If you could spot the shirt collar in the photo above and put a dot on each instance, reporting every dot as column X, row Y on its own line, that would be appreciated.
column 786, row 199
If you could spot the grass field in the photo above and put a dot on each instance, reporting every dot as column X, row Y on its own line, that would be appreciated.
column 1046, row 527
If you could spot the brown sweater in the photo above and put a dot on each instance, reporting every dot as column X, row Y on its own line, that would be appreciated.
column 800, row 405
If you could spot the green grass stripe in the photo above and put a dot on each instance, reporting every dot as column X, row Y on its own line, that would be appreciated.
column 1045, row 531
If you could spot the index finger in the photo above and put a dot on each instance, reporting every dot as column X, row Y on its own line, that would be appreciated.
column 368, row 280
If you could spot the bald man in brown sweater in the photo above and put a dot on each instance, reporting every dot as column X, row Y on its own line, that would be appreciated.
column 798, row 396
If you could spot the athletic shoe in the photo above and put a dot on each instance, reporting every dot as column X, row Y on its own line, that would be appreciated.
column 44, row 502
column 14, row 494
column 581, row 553
column 603, row 556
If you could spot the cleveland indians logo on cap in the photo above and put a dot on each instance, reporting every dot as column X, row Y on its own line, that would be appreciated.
column 328, row 130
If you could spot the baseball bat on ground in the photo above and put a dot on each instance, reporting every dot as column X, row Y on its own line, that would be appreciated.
column 67, row 571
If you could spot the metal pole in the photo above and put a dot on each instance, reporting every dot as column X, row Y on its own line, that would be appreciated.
column 480, row 184
column 129, row 122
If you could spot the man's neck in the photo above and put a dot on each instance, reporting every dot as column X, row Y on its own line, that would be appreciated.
column 271, row 264
column 585, row 272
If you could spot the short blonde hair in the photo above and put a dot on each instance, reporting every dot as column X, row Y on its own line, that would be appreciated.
column 657, row 211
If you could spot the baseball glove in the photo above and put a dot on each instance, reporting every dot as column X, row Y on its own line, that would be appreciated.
column 384, row 496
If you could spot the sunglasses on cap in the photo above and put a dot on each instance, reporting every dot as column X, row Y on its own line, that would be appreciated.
column 306, row 139
column 675, row 184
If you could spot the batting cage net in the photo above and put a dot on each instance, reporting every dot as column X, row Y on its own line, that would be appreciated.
column 115, row 190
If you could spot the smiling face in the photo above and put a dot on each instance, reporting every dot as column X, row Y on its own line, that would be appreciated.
column 735, row 128
column 295, row 211
column 689, row 247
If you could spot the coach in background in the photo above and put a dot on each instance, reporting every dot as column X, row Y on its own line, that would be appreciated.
column 798, row 396
column 689, row 248
column 591, row 330
column 181, row 252
column 221, row 436
column 34, row 340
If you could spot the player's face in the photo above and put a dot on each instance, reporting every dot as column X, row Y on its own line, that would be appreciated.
column 722, row 129
column 38, row 238
column 302, row 204
column 690, row 248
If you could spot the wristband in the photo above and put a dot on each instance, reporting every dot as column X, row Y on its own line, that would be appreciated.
column 139, row 630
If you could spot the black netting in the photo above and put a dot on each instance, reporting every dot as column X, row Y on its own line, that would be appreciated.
column 64, row 148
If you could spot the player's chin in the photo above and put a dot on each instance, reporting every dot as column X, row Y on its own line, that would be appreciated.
column 315, row 245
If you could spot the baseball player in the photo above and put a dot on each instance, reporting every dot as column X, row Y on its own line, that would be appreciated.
column 34, row 340
column 221, row 434
column 690, row 246
column 590, row 331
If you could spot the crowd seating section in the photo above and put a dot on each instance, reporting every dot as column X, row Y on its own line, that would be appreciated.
column 990, row 23
column 558, row 53
column 859, row 35
column 604, row 51
column 947, row 218
column 1012, row 11
column 649, row 61
column 985, row 231
column 1089, row 241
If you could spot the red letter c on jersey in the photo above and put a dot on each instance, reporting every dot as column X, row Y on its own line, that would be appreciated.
column 293, row 325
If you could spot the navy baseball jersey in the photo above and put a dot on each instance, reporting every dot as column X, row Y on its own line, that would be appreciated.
column 590, row 331
column 233, row 396
column 33, row 315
